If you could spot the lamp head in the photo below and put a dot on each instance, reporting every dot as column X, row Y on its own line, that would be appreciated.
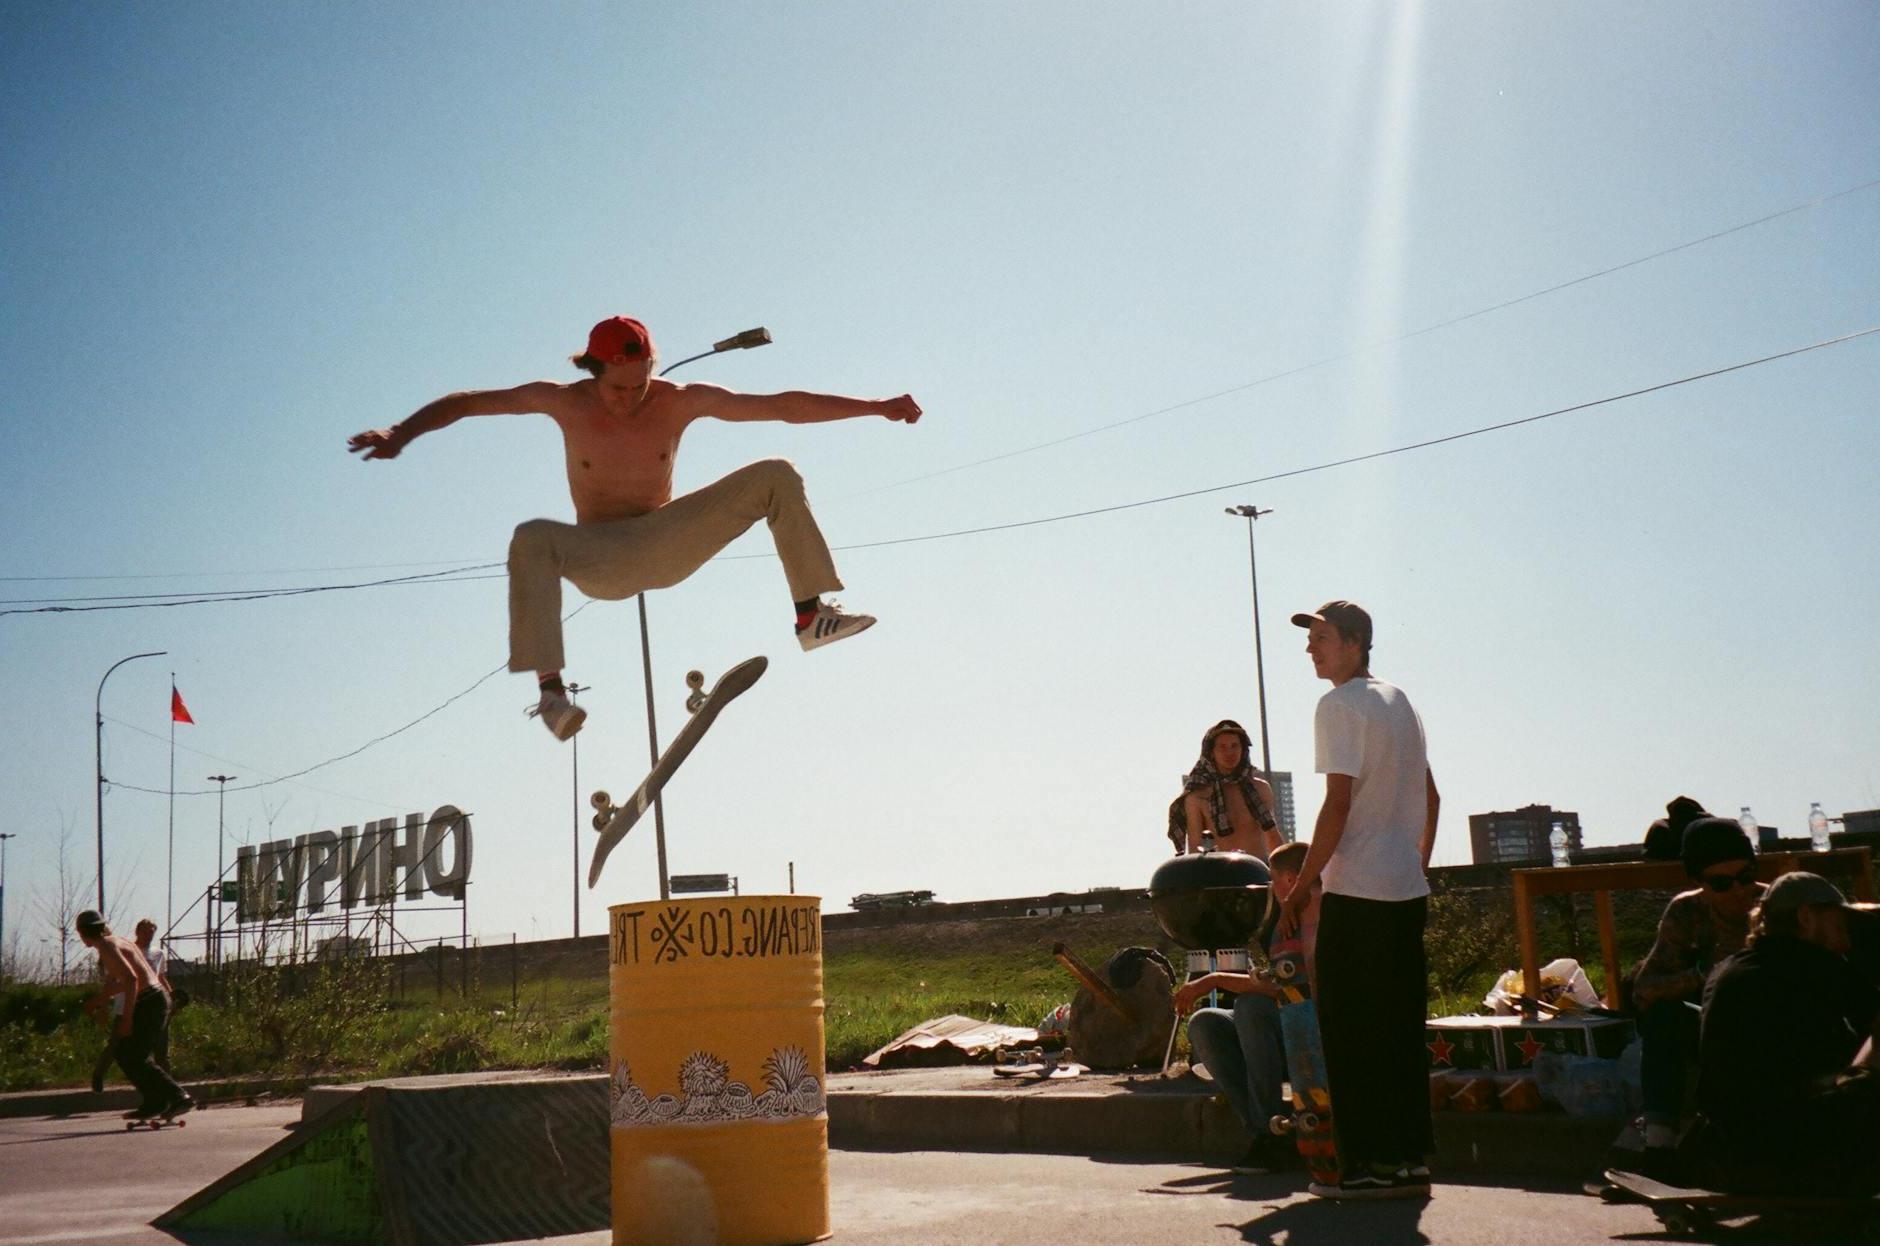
column 746, row 340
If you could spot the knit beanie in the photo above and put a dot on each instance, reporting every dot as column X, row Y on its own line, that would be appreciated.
column 1708, row 841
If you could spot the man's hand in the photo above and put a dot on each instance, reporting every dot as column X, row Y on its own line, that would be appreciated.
column 902, row 408
column 1189, row 993
column 1291, row 909
column 378, row 443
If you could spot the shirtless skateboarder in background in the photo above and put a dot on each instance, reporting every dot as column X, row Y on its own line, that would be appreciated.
column 621, row 431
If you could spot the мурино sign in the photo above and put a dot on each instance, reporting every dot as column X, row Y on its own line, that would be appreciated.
column 364, row 861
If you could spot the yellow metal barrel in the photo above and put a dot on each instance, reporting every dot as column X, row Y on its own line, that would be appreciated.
column 720, row 1132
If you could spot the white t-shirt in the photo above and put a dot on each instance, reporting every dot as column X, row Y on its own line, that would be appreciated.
column 1367, row 729
column 157, row 958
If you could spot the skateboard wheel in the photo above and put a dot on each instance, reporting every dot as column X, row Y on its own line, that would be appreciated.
column 600, row 799
column 695, row 680
column 600, row 820
column 1281, row 1125
column 1307, row 1121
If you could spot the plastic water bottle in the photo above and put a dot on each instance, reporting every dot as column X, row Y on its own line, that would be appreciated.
column 1747, row 821
column 1817, row 826
column 1558, row 842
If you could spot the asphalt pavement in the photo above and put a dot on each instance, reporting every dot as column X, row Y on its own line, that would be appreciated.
column 84, row 1179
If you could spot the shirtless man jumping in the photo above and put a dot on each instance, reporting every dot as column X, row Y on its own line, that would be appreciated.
column 621, row 431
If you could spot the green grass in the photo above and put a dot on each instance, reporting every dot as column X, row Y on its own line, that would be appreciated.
column 357, row 1020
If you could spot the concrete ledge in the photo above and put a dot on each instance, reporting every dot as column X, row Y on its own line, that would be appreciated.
column 968, row 1109
column 80, row 1101
column 319, row 1100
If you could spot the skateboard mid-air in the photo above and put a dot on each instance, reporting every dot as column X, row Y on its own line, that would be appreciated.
column 614, row 821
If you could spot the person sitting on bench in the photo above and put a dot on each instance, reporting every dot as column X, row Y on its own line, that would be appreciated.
column 1787, row 1082
column 1242, row 1049
column 1699, row 928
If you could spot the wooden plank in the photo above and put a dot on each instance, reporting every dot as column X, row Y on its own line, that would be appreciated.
column 1608, row 945
column 1856, row 864
column 1530, row 950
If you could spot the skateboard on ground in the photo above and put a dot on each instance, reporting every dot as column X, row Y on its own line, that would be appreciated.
column 155, row 1123
column 1311, row 1122
column 614, row 821
column 1690, row 1212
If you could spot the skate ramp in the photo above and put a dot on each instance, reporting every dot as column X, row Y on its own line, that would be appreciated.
column 426, row 1166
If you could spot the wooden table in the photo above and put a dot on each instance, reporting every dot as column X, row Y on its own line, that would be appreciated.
column 1856, row 864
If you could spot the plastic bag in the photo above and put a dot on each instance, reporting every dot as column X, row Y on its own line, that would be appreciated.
column 1056, row 1023
column 1582, row 1085
column 1563, row 984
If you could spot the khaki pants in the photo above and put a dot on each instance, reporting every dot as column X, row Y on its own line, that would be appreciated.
column 621, row 557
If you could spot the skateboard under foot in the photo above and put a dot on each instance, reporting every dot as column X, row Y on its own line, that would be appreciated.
column 155, row 1123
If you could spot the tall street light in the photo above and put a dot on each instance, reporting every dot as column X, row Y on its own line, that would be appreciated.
column 98, row 740
column 747, row 340
column 1251, row 513
column 221, row 793
column 573, row 691
column 3, row 903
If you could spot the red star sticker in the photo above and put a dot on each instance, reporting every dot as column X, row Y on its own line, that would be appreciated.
column 1531, row 1047
column 1440, row 1049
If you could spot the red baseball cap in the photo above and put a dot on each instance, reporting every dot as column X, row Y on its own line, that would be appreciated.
column 619, row 339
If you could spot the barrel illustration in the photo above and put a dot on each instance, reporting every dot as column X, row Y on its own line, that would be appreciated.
column 720, row 1131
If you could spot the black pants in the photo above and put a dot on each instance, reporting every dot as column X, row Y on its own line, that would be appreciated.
column 150, row 1023
column 1669, row 1031
column 1373, row 993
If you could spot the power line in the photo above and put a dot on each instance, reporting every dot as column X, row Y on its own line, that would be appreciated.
column 1367, row 347
column 1356, row 458
column 455, row 577
column 379, row 739
column 190, row 575
column 143, row 601
column 229, row 761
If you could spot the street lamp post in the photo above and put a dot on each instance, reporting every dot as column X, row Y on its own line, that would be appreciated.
column 573, row 691
column 747, row 340
column 221, row 793
column 98, row 740
column 3, row 903
column 1251, row 513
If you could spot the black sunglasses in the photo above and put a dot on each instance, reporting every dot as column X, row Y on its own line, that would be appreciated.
column 1745, row 877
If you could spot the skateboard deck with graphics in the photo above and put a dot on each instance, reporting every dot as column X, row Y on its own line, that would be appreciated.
column 1689, row 1212
column 1311, row 1122
column 614, row 821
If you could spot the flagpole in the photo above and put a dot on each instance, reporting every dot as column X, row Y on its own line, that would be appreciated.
column 169, row 891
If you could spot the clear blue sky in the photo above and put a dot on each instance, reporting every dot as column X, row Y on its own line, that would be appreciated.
column 230, row 236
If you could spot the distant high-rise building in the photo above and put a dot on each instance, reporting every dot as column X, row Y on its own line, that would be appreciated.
column 1283, row 797
column 1521, row 836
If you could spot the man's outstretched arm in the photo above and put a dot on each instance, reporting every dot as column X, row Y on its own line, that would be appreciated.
column 796, row 406
column 537, row 397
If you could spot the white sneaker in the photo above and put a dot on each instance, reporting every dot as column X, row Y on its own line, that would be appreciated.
column 561, row 716
column 831, row 623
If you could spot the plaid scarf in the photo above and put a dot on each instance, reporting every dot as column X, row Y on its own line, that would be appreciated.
column 1205, row 778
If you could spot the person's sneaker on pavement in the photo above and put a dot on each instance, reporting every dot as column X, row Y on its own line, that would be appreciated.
column 1371, row 1181
column 561, row 716
column 143, row 1112
column 828, row 624
column 177, row 1108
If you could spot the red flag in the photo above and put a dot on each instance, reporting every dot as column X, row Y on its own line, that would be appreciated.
column 178, row 711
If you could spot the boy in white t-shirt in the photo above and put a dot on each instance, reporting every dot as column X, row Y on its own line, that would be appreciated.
column 1370, row 849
